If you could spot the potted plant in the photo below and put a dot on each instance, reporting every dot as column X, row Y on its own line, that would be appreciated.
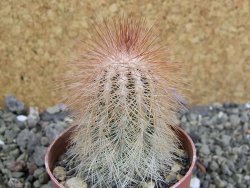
column 123, row 95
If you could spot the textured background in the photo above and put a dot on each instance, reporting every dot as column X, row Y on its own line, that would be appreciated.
column 211, row 37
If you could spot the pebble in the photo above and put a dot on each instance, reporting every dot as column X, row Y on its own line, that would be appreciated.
column 149, row 184
column 17, row 174
column 53, row 109
column 36, row 184
column 23, row 139
column 59, row 173
column 51, row 133
column 225, row 139
column 213, row 166
column 1, row 143
column 75, row 183
column 170, row 177
column 247, row 105
column 202, row 110
column 15, row 183
column 14, row 105
column 21, row 118
column 45, row 141
column 48, row 185
column 38, row 172
column 176, row 167
column 17, row 166
column 195, row 182
column 39, row 154
column 43, row 178
column 220, row 183
column 33, row 117
column 234, row 119
column 33, row 142
column 31, row 167
column 27, row 185
column 204, row 149
column 59, row 116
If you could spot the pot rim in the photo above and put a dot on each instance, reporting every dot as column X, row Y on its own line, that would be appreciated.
column 178, row 129
column 193, row 159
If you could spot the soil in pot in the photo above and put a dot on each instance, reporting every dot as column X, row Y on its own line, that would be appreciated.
column 65, row 174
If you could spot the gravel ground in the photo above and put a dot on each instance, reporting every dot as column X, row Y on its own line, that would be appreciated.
column 221, row 133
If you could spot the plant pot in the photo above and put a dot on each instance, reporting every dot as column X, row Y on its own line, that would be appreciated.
column 58, row 147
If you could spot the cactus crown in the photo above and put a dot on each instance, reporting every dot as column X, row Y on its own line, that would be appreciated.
column 122, row 93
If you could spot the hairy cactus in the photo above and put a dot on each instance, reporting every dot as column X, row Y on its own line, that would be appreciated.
column 122, row 91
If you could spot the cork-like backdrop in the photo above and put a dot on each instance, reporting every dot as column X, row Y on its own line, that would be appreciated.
column 212, row 38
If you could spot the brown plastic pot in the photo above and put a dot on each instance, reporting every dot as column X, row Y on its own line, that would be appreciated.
column 58, row 147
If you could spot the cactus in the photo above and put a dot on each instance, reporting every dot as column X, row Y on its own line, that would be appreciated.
column 122, row 94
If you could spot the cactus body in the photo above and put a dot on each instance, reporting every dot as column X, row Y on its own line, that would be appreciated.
column 122, row 97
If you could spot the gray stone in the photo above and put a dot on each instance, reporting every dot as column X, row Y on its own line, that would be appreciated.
column 53, row 109
column 192, row 117
column 226, row 170
column 234, row 119
column 44, row 141
column 202, row 110
column 33, row 117
column 244, row 117
column 225, row 139
column 59, row 173
column 33, row 142
column 60, row 125
column 2, row 127
column 183, row 119
column 238, row 177
column 247, row 105
column 38, row 172
column 195, row 182
column 247, row 177
column 16, row 166
column 204, row 149
column 59, row 116
column 31, row 167
column 13, row 104
column 17, row 174
column 43, row 178
column 48, row 185
column 9, row 117
column 24, row 156
column 245, row 149
column 149, row 184
column 1, row 143
column 220, row 183
column 36, row 184
column 39, row 154
column 23, row 139
column 214, row 166
column 223, row 117
column 230, row 185
column 75, row 183
column 21, row 118
column 10, row 135
column 51, row 133
column 15, row 183
column 170, row 177
column 27, row 185
column 217, row 105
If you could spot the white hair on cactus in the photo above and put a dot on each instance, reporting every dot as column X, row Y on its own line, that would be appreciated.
column 121, row 93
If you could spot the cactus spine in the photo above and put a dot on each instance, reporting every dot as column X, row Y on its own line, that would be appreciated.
column 122, row 96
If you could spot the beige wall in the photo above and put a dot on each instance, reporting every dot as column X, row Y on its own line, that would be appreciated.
column 211, row 37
